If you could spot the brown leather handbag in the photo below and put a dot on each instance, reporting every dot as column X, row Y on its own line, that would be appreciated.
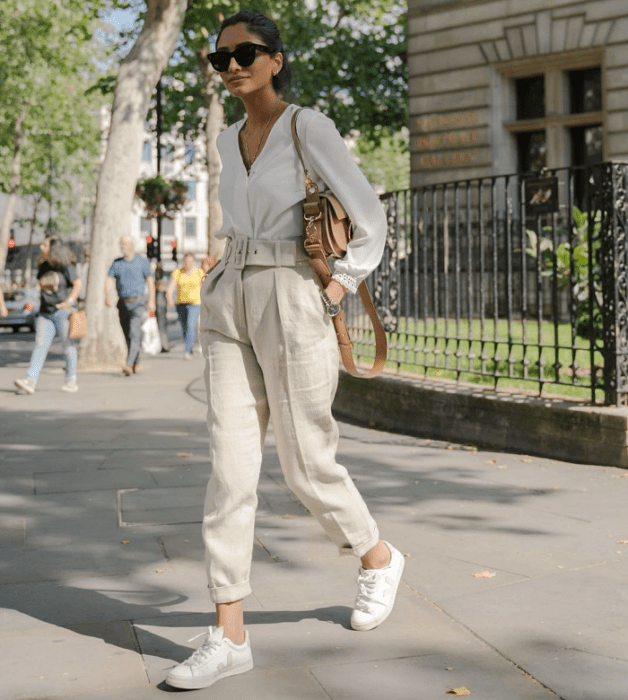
column 78, row 324
column 327, row 232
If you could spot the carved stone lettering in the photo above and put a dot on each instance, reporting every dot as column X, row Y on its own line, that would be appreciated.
column 434, row 122
column 463, row 138
column 446, row 160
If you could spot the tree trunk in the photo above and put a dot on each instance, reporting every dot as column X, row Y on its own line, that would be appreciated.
column 213, row 126
column 104, row 346
column 9, row 212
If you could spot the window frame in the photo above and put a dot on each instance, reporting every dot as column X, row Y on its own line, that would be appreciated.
column 557, row 120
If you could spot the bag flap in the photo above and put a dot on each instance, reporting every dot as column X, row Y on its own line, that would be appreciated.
column 337, row 208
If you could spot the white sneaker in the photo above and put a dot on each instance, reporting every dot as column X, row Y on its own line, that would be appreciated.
column 25, row 385
column 70, row 387
column 217, row 658
column 187, row 356
column 377, row 589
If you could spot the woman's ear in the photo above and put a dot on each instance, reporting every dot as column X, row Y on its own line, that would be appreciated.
column 278, row 60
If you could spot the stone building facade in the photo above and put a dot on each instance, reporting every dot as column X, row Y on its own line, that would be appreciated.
column 504, row 86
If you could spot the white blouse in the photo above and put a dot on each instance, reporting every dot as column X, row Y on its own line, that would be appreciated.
column 267, row 203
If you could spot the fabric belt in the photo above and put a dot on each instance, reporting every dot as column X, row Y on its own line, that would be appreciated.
column 242, row 251
column 130, row 299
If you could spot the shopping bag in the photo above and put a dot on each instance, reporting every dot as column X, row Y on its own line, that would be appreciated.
column 151, row 343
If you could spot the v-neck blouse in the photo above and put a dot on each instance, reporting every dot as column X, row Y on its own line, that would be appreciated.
column 266, row 204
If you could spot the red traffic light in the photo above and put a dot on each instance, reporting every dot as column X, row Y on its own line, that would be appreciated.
column 11, row 243
column 149, row 239
column 173, row 244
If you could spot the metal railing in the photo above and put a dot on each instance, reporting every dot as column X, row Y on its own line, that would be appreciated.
column 512, row 280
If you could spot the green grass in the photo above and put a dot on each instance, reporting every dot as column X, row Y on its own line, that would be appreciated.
column 475, row 352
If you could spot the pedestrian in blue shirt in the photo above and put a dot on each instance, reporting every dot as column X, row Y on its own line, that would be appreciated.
column 131, row 273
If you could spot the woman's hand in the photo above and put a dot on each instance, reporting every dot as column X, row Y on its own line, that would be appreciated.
column 335, row 291
column 64, row 305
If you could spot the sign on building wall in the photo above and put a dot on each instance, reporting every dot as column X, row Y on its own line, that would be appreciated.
column 443, row 137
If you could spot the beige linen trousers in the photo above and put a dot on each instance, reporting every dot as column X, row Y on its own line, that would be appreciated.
column 270, row 350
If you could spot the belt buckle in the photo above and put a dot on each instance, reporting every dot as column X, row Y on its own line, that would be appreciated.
column 239, row 252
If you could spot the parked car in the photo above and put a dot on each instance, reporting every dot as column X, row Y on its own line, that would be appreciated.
column 23, row 307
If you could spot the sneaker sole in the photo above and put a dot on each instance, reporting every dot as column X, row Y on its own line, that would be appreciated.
column 366, row 626
column 27, row 389
column 198, row 683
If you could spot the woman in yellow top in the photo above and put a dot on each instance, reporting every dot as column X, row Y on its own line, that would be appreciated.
column 188, row 281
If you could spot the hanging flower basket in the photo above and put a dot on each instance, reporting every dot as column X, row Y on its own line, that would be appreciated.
column 161, row 196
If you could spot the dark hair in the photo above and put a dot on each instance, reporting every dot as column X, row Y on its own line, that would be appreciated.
column 59, row 255
column 268, row 32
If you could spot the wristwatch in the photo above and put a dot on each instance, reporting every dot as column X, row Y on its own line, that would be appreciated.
column 330, row 305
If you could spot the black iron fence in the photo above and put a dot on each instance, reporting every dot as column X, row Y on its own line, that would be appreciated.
column 514, row 280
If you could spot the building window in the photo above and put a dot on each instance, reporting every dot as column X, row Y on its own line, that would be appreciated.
column 146, row 152
column 146, row 227
column 585, row 88
column 191, row 189
column 558, row 113
column 190, row 227
column 586, row 145
column 167, row 228
column 189, row 153
column 531, row 97
column 532, row 151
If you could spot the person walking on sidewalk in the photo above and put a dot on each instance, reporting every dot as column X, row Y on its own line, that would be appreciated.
column 60, row 286
column 131, row 273
column 161, row 307
column 188, row 281
column 270, row 345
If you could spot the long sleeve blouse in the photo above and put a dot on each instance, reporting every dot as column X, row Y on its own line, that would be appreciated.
column 266, row 204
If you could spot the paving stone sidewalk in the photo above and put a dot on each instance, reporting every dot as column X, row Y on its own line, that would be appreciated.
column 515, row 587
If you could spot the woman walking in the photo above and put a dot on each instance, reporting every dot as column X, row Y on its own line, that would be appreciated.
column 188, row 283
column 60, row 287
column 270, row 344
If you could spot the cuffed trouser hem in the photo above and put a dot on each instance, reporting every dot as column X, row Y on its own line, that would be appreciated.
column 361, row 550
column 229, row 594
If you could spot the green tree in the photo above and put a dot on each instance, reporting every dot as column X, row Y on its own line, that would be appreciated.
column 47, row 62
column 385, row 161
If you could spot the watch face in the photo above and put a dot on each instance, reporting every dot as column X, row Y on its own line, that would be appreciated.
column 333, row 309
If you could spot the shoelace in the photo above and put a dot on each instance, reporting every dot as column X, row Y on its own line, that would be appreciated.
column 204, row 651
column 367, row 585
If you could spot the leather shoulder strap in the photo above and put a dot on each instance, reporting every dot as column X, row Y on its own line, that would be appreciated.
column 312, row 206
column 345, row 345
column 295, row 137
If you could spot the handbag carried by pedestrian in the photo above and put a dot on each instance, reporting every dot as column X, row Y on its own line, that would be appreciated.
column 327, row 232
column 78, row 324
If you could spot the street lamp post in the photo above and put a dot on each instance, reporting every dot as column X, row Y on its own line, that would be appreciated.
column 160, row 285
column 159, row 127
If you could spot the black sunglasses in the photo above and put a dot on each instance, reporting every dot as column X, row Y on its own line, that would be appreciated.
column 244, row 56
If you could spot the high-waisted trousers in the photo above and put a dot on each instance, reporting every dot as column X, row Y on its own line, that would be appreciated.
column 271, row 352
